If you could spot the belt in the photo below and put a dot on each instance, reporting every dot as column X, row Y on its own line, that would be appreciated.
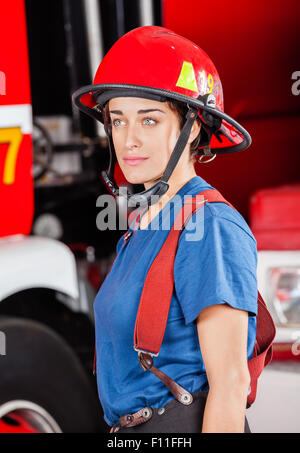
column 172, row 407
column 130, row 420
column 145, row 414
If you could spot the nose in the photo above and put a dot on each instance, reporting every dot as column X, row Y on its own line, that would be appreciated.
column 133, row 140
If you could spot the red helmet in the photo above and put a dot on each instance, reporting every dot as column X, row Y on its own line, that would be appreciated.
column 156, row 63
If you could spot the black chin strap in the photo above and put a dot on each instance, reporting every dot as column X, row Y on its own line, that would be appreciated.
column 181, row 143
column 146, row 198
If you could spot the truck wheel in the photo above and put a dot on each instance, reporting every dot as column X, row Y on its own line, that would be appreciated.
column 42, row 382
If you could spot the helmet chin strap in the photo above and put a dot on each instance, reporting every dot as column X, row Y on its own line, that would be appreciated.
column 147, row 198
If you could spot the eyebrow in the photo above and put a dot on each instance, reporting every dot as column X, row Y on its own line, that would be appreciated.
column 119, row 112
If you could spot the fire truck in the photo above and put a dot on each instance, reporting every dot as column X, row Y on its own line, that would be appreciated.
column 46, row 324
column 52, row 257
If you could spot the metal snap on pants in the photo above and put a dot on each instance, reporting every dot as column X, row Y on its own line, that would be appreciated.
column 175, row 417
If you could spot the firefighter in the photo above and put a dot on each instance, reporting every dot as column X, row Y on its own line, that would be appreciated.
column 161, row 101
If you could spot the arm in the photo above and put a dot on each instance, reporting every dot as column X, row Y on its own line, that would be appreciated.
column 222, row 332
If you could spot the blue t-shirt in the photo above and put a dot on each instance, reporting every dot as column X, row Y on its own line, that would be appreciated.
column 215, row 265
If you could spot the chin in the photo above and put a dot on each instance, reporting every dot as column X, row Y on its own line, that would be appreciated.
column 134, row 179
column 135, row 176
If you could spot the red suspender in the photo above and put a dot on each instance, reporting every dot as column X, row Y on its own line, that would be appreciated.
column 157, row 292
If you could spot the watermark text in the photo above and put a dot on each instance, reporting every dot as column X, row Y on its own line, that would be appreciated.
column 2, row 343
column 118, row 213
column 296, row 85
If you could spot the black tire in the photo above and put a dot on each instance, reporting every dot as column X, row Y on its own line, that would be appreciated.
column 41, row 368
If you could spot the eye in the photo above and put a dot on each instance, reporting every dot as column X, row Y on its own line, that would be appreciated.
column 149, row 121
column 117, row 122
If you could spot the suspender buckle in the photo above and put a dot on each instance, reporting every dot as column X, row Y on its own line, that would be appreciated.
column 145, row 358
column 152, row 354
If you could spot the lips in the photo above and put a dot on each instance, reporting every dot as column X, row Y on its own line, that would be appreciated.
column 134, row 160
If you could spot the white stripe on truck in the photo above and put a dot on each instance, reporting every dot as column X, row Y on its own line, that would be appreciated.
column 16, row 116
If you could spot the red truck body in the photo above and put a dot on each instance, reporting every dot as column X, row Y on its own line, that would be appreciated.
column 16, row 184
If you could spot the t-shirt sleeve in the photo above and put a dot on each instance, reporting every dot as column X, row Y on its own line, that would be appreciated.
column 218, row 267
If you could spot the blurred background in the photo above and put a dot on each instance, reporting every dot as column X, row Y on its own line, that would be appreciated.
column 53, row 258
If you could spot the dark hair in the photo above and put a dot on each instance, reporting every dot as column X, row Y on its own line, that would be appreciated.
column 181, row 111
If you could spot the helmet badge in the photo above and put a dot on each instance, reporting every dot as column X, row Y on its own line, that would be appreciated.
column 187, row 78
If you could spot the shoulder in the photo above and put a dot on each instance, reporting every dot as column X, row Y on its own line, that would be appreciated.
column 217, row 259
column 223, row 213
column 218, row 219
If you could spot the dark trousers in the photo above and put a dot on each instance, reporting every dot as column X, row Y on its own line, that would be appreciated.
column 176, row 418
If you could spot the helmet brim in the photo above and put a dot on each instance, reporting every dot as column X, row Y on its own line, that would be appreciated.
column 230, row 137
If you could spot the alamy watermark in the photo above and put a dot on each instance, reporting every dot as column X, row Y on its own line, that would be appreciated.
column 2, row 84
column 2, row 343
column 296, row 85
column 113, row 211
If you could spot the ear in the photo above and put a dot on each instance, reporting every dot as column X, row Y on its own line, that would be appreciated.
column 195, row 131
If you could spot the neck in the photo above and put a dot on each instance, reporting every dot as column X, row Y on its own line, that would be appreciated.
column 175, row 184
column 176, row 181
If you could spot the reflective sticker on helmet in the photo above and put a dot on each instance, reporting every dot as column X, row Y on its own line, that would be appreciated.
column 187, row 78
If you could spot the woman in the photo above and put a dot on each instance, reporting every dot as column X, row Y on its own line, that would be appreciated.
column 160, row 98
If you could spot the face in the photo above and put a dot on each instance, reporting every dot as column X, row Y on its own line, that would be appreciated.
column 144, row 134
